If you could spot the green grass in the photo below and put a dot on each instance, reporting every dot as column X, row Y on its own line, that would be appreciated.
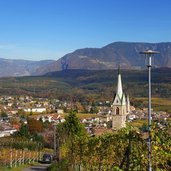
column 18, row 168
column 159, row 104
column 158, row 101
column 137, row 123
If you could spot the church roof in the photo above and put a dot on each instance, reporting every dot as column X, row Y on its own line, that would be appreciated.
column 119, row 90
column 119, row 98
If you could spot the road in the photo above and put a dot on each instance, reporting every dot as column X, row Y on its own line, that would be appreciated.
column 38, row 167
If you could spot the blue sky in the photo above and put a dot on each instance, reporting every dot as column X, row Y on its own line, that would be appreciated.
column 48, row 29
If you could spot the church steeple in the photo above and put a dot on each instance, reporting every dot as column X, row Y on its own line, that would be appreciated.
column 119, row 98
column 119, row 90
column 119, row 106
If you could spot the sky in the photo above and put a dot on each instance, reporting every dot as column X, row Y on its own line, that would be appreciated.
column 49, row 29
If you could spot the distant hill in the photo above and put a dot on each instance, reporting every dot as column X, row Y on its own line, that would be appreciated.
column 81, row 85
column 109, row 57
column 9, row 67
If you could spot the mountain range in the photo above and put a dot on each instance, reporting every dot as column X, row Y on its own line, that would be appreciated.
column 14, row 67
column 125, row 54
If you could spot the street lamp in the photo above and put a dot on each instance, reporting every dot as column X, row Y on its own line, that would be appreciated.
column 149, row 54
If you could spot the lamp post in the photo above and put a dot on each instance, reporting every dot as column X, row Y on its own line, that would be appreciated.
column 149, row 54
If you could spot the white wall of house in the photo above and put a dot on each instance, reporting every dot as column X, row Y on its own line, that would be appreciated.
column 60, row 111
column 38, row 110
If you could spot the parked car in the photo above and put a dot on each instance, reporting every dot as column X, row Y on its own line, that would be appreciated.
column 47, row 158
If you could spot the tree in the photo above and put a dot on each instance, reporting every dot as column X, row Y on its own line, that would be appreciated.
column 4, row 114
column 14, row 121
column 34, row 126
column 69, row 134
column 24, row 131
column 144, row 127
column 72, row 125
column 21, row 112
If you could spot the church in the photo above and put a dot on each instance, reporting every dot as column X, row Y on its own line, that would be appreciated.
column 120, row 106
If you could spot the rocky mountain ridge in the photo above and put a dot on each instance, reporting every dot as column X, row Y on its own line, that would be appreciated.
column 125, row 54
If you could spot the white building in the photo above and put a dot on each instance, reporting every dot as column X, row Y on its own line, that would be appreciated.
column 60, row 111
column 35, row 110
column 7, row 133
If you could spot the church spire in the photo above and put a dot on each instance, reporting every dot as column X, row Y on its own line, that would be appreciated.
column 119, row 106
column 119, row 91
column 119, row 69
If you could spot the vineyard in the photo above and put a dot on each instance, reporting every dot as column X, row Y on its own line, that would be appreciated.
column 15, row 152
column 14, row 158
column 125, row 150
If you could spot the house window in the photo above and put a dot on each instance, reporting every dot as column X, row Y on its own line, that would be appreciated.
column 117, row 111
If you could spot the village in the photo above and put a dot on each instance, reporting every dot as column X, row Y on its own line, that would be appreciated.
column 105, row 116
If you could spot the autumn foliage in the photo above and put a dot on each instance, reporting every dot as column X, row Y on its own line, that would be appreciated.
column 34, row 126
column 126, row 149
